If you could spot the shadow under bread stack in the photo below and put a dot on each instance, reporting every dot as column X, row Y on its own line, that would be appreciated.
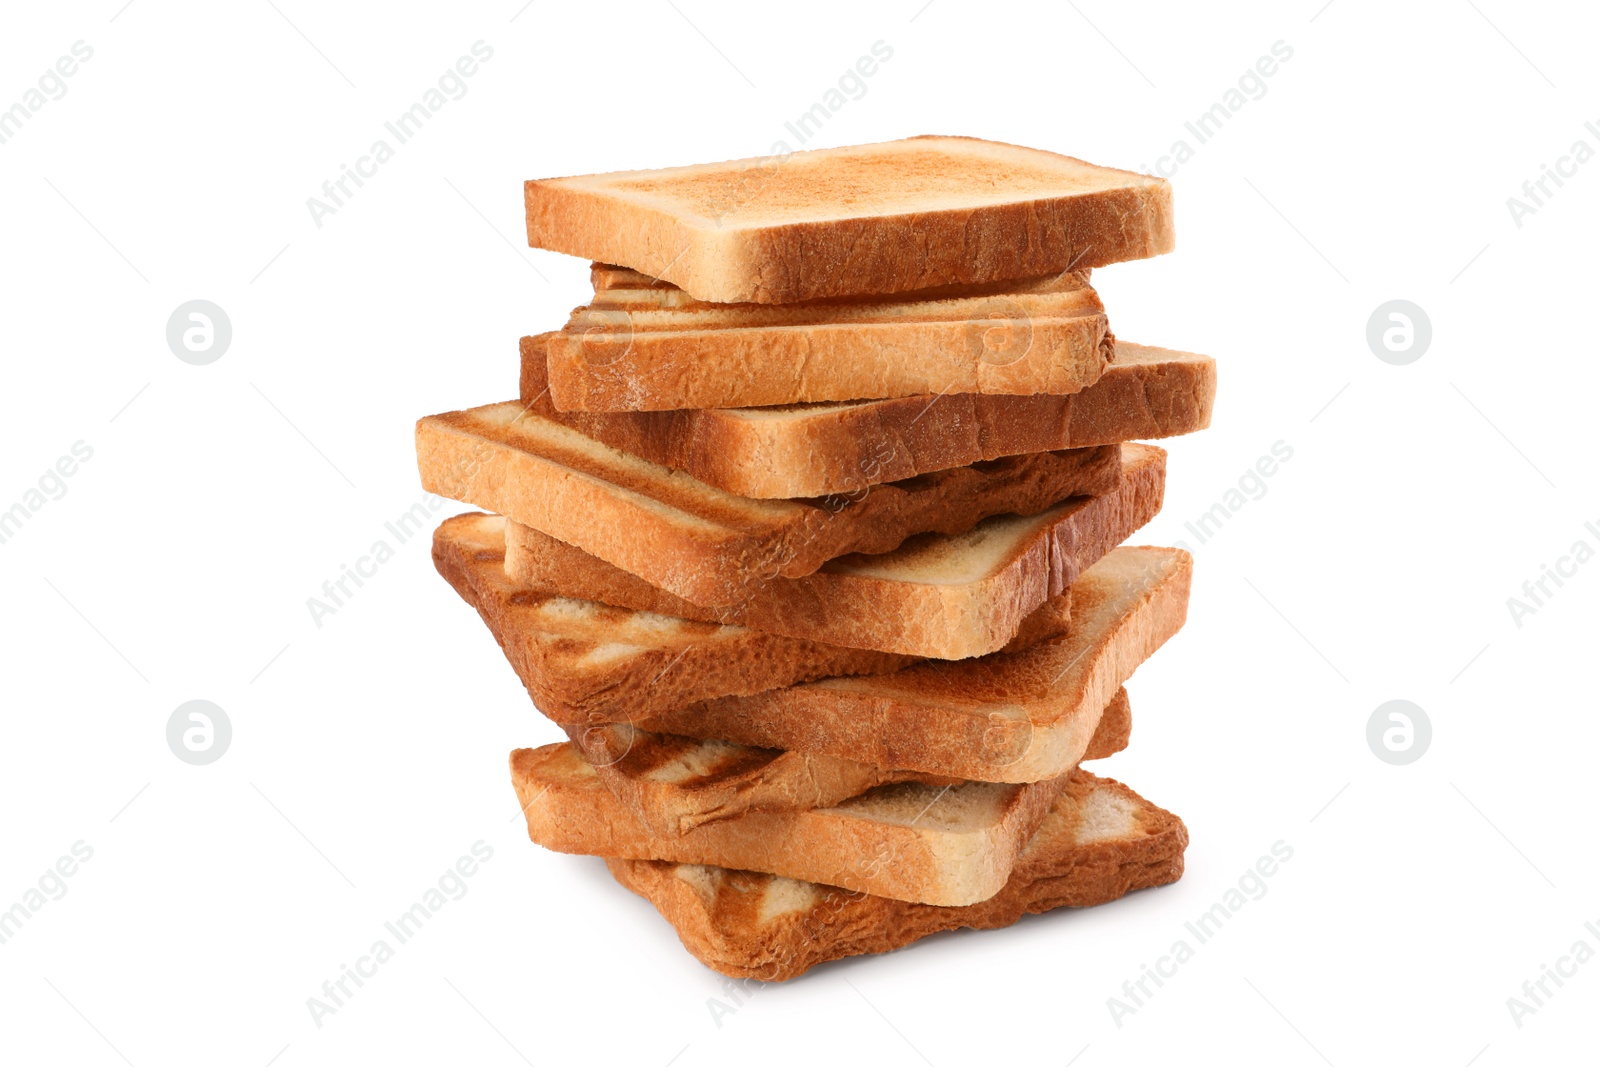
column 808, row 531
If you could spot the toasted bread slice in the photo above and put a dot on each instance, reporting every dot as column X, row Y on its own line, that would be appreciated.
column 947, row 845
column 879, row 218
column 943, row 596
column 1100, row 841
column 818, row 449
column 674, row 784
column 697, row 541
column 1011, row 717
column 639, row 347
column 584, row 662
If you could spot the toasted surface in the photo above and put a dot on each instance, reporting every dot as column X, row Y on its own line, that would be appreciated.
column 881, row 218
column 947, row 596
column 542, row 563
column 697, row 541
column 1100, row 841
column 673, row 784
column 947, row 845
column 584, row 661
column 1009, row 717
column 642, row 347
column 817, row 449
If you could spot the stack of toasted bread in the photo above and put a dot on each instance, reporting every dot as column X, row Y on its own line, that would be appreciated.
column 807, row 530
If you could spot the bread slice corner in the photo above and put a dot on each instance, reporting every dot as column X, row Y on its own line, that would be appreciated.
column 1100, row 841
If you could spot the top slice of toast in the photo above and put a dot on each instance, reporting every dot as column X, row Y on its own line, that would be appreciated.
column 882, row 218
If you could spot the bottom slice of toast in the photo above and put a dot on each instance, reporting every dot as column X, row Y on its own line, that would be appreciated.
column 1100, row 841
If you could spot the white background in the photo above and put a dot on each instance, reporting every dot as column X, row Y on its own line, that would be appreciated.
column 368, row 754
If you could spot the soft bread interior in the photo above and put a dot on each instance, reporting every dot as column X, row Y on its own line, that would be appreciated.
column 951, row 559
column 970, row 807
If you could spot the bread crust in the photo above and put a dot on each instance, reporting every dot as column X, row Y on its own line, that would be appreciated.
column 674, row 784
column 750, row 925
column 1144, row 394
column 904, row 601
column 946, row 846
column 724, row 231
column 585, row 662
column 699, row 542
column 641, row 350
column 1008, row 717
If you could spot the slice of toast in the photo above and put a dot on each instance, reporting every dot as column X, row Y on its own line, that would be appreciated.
column 639, row 347
column 879, row 218
column 674, row 784
column 947, row 845
column 942, row 596
column 700, row 542
column 584, row 662
column 1100, row 842
column 1011, row 717
column 818, row 449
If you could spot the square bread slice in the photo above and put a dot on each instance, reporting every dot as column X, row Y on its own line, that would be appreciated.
column 640, row 347
column 1010, row 717
column 584, row 661
column 946, row 845
column 880, row 218
column 818, row 449
column 700, row 542
column 1100, row 842
column 674, row 784
column 943, row 596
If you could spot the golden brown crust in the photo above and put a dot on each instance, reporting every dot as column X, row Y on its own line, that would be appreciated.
column 1008, row 717
column 699, row 542
column 948, row 845
column 583, row 661
column 1146, row 393
column 900, row 601
column 654, row 349
column 728, row 232
column 570, row 676
column 719, row 914
column 673, row 784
